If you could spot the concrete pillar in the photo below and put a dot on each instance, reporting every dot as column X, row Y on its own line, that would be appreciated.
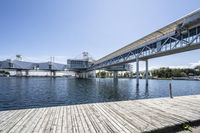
column 27, row 73
column 137, row 71
column 147, row 72
column 92, row 74
column 19, row 73
column 83, row 75
column 79, row 75
column 53, row 73
column 115, row 74
column 86, row 75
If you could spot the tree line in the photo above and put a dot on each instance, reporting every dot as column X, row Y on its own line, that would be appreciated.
column 166, row 72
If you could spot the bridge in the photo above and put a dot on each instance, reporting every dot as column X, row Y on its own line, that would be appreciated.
column 179, row 36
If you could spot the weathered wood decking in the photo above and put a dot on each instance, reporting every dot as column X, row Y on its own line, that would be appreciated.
column 122, row 117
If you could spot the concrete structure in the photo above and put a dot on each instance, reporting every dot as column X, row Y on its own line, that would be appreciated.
column 23, row 68
column 115, row 74
column 81, row 66
column 147, row 72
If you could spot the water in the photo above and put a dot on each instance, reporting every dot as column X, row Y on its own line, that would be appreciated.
column 31, row 92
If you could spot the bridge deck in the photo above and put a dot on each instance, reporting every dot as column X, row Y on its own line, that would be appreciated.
column 126, row 116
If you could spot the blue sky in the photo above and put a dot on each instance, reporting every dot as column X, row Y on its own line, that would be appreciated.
column 38, row 29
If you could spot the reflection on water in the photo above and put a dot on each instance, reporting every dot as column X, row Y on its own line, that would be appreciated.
column 33, row 92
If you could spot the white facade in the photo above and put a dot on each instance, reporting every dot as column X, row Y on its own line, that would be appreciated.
column 37, row 73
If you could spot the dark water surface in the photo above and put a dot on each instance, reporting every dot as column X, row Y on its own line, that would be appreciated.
column 16, row 92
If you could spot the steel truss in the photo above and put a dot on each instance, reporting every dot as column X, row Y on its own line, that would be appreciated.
column 159, row 47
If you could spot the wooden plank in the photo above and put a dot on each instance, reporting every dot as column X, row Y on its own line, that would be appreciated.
column 29, row 126
column 82, row 119
column 37, row 127
column 176, row 110
column 135, row 118
column 122, row 123
column 55, row 121
column 18, row 121
column 123, row 117
column 107, row 124
column 9, row 117
column 64, row 120
column 156, row 119
column 96, row 123
column 22, row 123
column 44, row 120
column 59, row 123
column 48, row 126
column 87, row 120
column 78, row 120
column 69, row 120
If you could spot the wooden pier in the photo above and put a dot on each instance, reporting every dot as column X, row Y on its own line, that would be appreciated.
column 135, row 116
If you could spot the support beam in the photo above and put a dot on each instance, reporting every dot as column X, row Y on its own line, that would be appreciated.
column 137, row 71
column 147, row 72
column 115, row 74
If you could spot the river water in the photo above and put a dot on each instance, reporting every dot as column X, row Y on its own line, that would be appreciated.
column 21, row 92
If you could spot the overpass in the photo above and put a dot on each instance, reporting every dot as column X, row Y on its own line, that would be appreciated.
column 179, row 36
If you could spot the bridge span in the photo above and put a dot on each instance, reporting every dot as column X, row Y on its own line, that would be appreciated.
column 179, row 36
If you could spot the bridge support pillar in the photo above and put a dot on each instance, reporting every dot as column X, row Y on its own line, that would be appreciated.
column 53, row 73
column 115, row 74
column 19, row 73
column 27, row 73
column 147, row 72
column 92, row 74
column 83, row 75
column 137, row 71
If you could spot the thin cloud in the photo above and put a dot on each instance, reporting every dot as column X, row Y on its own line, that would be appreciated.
column 195, row 64
column 157, row 67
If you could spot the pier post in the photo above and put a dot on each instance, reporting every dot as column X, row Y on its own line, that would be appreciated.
column 137, row 71
column 170, row 90
column 115, row 74
column 147, row 73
